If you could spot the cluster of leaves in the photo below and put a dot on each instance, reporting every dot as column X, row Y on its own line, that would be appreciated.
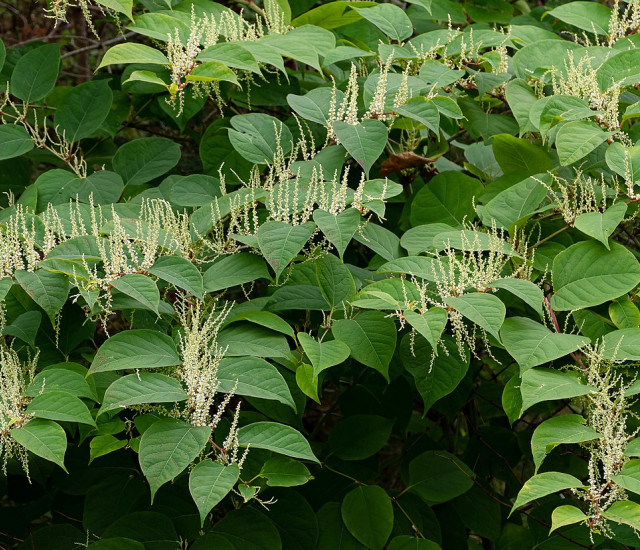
column 331, row 275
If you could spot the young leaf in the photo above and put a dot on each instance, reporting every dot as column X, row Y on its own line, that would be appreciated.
column 566, row 515
column 167, row 448
column 626, row 512
column 430, row 324
column 131, row 52
column 600, row 225
column 323, row 355
column 542, row 485
column 280, row 471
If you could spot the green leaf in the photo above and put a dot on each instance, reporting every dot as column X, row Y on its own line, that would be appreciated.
column 567, row 428
column 83, row 110
column 278, row 438
column 587, row 274
column 253, row 377
column 35, row 73
column 367, row 512
column 430, row 324
column 629, row 476
column 315, row 105
column 601, row 225
column 265, row 319
column 116, row 543
column 144, row 159
column 359, row 436
column 43, row 438
column 448, row 198
column 485, row 310
column 575, row 140
column 519, row 155
column 256, row 137
column 62, row 406
column 380, row 240
column 542, row 485
column 423, row 110
column 622, row 345
column 148, row 77
column 212, row 71
column 25, row 327
column 566, row 515
column 232, row 55
column 307, row 381
column 323, row 355
column 280, row 242
column 626, row 512
column 232, row 528
column 621, row 69
column 437, row 476
column 144, row 387
column 528, row 292
column 544, row 384
column 120, row 6
column 235, row 270
column 179, row 272
column 102, row 445
column 371, row 337
column 242, row 339
column 390, row 19
column 60, row 380
column 531, row 343
column 131, row 52
column 135, row 349
column 335, row 281
column 332, row 15
column 141, row 288
column 209, row 483
column 435, row 378
column 281, row 471
column 47, row 289
column 14, row 141
column 624, row 313
column 588, row 16
column 365, row 141
column 167, row 448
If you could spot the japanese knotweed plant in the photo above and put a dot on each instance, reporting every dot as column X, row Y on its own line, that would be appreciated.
column 319, row 274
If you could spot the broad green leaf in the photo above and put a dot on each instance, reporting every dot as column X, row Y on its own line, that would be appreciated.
column 575, row 140
column 588, row 16
column 587, row 274
column 626, row 512
column 624, row 313
column 265, row 319
column 552, row 110
column 624, row 161
column 61, row 406
column 622, row 345
column 541, row 485
column 148, row 77
column 418, row 266
column 485, row 310
column 621, row 69
column 35, row 73
column 359, row 436
column 105, row 186
column 315, row 105
column 304, row 44
column 232, row 55
column 371, row 337
column 253, row 377
column 544, row 384
column 531, row 343
column 25, row 327
column 281, row 471
column 167, row 448
column 237, row 269
column 144, row 159
column 83, row 110
column 14, row 141
column 131, row 52
column 566, row 428
column 256, row 137
column 212, row 71
column 367, row 512
column 437, row 476
column 141, row 288
column 423, row 110
column 380, row 240
column 566, row 515
column 331, row 16
column 519, row 155
column 102, row 445
column 390, row 19
column 43, row 438
column 600, row 225
column 121, row 6
column 629, row 476
column 447, row 198
column 323, row 355
column 528, row 292
column 140, row 388
column 232, row 530
column 47, row 289
column 335, row 281
column 280, row 242
column 521, row 99
column 135, row 349
column 429, row 324
column 242, row 339
column 278, row 438
column 179, row 272
column 209, row 483
column 307, row 381
column 365, row 141
column 60, row 380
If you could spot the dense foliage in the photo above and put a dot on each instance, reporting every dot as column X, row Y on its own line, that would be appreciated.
column 333, row 275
